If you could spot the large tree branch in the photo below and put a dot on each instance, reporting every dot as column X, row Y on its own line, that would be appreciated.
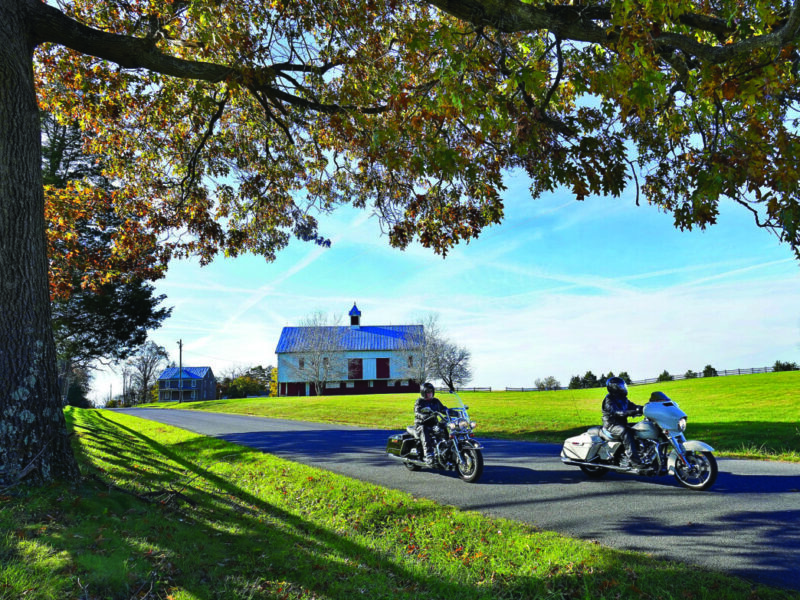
column 584, row 23
column 48, row 24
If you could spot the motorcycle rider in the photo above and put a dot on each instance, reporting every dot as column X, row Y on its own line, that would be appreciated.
column 616, row 410
column 424, row 419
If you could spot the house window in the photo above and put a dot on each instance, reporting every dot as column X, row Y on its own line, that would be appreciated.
column 382, row 368
column 410, row 362
column 355, row 368
column 194, row 383
column 326, row 362
column 301, row 363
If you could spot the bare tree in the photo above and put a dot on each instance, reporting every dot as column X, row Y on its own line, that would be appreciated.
column 421, row 345
column 548, row 383
column 128, row 390
column 319, row 357
column 450, row 364
column 232, row 372
column 146, row 363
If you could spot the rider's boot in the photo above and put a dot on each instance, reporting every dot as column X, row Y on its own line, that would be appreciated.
column 429, row 457
column 634, row 461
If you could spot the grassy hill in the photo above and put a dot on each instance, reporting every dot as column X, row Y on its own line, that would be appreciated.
column 753, row 416
column 164, row 514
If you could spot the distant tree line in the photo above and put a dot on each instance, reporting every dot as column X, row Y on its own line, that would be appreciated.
column 590, row 380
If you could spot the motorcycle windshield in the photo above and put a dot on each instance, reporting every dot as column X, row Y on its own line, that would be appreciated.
column 458, row 413
column 666, row 414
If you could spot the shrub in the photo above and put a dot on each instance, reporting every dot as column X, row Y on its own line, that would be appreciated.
column 665, row 376
column 709, row 371
column 590, row 380
column 785, row 366
column 245, row 386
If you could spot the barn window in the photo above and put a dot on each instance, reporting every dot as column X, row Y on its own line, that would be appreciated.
column 301, row 363
column 355, row 368
column 410, row 362
column 382, row 368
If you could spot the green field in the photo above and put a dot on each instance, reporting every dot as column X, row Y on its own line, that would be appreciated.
column 164, row 514
column 750, row 416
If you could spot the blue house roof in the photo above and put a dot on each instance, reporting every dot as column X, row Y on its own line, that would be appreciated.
column 369, row 337
column 188, row 373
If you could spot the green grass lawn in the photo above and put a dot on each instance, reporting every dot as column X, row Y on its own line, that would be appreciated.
column 164, row 514
column 751, row 416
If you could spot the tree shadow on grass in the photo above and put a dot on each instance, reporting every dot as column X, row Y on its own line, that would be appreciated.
column 261, row 550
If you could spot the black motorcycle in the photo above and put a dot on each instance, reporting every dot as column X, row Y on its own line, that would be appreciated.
column 455, row 447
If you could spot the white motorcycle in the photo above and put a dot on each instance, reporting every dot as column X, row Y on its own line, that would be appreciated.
column 662, row 448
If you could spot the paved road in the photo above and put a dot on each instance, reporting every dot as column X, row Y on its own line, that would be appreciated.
column 748, row 524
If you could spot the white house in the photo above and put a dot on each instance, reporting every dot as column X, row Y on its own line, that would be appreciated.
column 359, row 359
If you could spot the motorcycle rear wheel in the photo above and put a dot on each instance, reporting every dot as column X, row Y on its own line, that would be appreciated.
column 472, row 467
column 593, row 472
column 702, row 476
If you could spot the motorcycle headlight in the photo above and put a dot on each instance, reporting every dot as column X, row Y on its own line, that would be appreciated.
column 451, row 426
column 473, row 425
column 463, row 424
column 682, row 424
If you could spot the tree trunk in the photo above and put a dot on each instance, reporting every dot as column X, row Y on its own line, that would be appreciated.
column 33, row 436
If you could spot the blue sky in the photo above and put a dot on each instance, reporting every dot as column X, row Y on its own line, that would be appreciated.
column 559, row 288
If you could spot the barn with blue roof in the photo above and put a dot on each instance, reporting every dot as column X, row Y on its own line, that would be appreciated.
column 354, row 359
column 187, row 384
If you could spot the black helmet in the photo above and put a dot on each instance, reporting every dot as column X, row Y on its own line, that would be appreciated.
column 616, row 386
column 425, row 388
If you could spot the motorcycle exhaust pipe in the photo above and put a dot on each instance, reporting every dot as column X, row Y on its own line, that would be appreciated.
column 590, row 464
column 413, row 461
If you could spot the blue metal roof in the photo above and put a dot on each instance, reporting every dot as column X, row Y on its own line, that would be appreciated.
column 188, row 373
column 366, row 337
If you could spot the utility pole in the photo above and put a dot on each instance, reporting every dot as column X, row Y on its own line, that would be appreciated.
column 180, row 371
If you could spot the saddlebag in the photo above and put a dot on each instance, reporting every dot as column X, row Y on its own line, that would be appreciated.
column 581, row 447
column 400, row 444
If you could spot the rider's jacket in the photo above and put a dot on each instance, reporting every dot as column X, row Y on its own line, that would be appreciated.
column 432, row 403
column 617, row 409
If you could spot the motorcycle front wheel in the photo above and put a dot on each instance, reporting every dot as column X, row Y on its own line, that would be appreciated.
column 470, row 468
column 701, row 472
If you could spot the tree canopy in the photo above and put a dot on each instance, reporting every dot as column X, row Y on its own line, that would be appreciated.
column 398, row 106
column 225, row 126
